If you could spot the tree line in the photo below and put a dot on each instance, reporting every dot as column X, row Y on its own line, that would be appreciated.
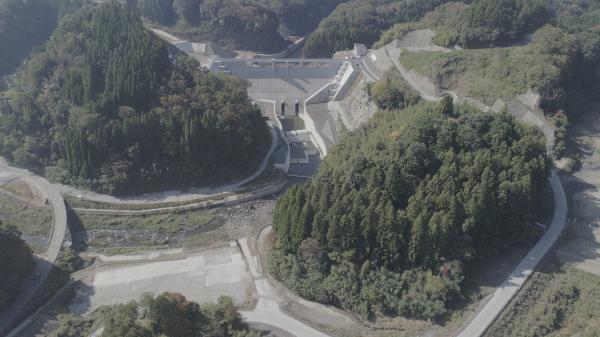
column 404, row 203
column 104, row 105
column 249, row 25
column 168, row 314
column 25, row 24
column 362, row 21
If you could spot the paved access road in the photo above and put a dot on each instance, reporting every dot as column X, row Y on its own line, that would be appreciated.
column 519, row 275
column 59, row 227
column 268, row 309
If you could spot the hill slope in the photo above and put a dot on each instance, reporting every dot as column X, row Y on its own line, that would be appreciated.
column 103, row 106
column 401, row 204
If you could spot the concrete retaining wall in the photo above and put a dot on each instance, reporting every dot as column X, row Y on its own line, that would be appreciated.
column 314, row 135
column 348, row 78
column 285, row 167
column 321, row 96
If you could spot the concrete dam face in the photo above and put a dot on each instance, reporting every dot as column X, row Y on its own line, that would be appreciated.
column 289, row 80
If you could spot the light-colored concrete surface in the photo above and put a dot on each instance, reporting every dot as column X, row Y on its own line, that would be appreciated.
column 268, row 309
column 281, row 79
column 200, row 277
column 57, row 235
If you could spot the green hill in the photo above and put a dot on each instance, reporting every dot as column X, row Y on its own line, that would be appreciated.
column 403, row 203
column 257, row 25
column 102, row 105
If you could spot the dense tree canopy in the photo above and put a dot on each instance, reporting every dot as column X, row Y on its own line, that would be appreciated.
column 487, row 23
column 392, row 92
column 25, row 24
column 237, row 24
column 164, row 315
column 301, row 16
column 103, row 106
column 16, row 263
column 362, row 21
column 401, row 203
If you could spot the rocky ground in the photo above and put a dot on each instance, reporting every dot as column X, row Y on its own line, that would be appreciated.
column 115, row 235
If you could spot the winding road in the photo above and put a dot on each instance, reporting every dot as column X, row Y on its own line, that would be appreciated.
column 268, row 310
column 509, row 288
column 57, row 235
column 175, row 196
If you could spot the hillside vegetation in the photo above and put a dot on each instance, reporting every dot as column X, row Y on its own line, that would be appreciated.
column 165, row 315
column 102, row 105
column 25, row 24
column 489, row 74
column 560, row 60
column 557, row 301
column 16, row 263
column 489, row 23
column 362, row 21
column 250, row 25
column 478, row 24
column 404, row 203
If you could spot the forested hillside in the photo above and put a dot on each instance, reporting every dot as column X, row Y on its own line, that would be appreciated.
column 489, row 23
column 103, row 106
column 164, row 315
column 363, row 21
column 402, row 204
column 250, row 25
column 25, row 24
column 16, row 263
column 560, row 61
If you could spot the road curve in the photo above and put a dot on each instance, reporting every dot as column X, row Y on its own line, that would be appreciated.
column 488, row 314
column 267, row 310
column 59, row 227
column 176, row 196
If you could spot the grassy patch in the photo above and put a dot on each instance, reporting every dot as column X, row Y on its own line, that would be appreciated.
column 76, row 202
column 106, row 249
column 29, row 219
column 18, row 188
column 203, row 240
column 485, row 74
column 557, row 301
column 168, row 222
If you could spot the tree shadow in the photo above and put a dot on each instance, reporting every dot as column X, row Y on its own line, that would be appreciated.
column 79, row 237
column 79, row 303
